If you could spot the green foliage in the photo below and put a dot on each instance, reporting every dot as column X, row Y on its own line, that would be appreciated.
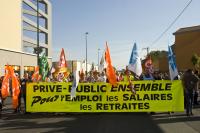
column 195, row 61
column 156, row 55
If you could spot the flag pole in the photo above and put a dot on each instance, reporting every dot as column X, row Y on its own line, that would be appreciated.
column 86, row 33
column 98, row 58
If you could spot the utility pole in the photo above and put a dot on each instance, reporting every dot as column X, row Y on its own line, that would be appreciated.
column 147, row 48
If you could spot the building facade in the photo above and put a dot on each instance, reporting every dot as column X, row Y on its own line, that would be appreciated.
column 18, row 35
column 187, row 43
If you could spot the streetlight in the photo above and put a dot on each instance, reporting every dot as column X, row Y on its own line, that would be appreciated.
column 86, row 33
column 98, row 58
column 147, row 48
column 38, row 32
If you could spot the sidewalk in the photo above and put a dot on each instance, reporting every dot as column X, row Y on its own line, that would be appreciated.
column 178, row 122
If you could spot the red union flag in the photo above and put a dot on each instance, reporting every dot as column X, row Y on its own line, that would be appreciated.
column 62, row 62
column 61, row 71
column 149, row 64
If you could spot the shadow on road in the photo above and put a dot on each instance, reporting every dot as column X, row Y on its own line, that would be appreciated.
column 85, row 122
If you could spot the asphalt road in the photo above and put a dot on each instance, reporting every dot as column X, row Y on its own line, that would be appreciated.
column 76, row 123
column 98, row 122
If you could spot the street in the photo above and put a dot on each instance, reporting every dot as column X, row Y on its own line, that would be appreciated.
column 98, row 122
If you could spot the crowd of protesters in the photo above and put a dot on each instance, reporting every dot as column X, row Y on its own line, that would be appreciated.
column 22, row 94
column 190, row 83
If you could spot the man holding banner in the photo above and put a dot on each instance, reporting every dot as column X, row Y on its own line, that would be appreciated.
column 24, row 81
column 189, row 82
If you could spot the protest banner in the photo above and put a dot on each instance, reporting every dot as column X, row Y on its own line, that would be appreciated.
column 163, row 95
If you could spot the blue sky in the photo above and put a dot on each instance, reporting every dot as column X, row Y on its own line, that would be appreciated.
column 120, row 23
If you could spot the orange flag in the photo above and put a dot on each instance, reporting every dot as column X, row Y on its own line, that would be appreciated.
column 15, row 88
column 35, row 76
column 5, row 84
column 110, row 72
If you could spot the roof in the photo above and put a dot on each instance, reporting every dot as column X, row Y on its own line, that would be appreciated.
column 187, row 29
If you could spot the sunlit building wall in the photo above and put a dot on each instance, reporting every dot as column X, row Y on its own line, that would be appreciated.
column 18, row 35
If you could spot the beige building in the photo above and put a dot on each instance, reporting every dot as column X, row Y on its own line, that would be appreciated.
column 187, row 43
column 18, row 34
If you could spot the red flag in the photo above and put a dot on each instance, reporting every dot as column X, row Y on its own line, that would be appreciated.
column 35, row 76
column 149, row 64
column 5, row 84
column 62, row 62
column 62, row 67
column 110, row 72
column 15, row 88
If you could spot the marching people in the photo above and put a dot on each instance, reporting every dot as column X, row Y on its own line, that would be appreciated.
column 189, row 82
column 82, row 77
column 147, row 75
column 0, row 103
column 60, row 77
column 90, row 77
column 120, row 78
column 157, row 76
column 126, row 77
column 129, row 78
column 196, row 90
column 102, row 77
column 1, row 99
column 18, row 108
column 23, row 82
column 96, row 76
column 165, row 76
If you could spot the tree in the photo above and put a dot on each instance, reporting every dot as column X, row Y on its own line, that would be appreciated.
column 195, row 61
column 156, row 55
